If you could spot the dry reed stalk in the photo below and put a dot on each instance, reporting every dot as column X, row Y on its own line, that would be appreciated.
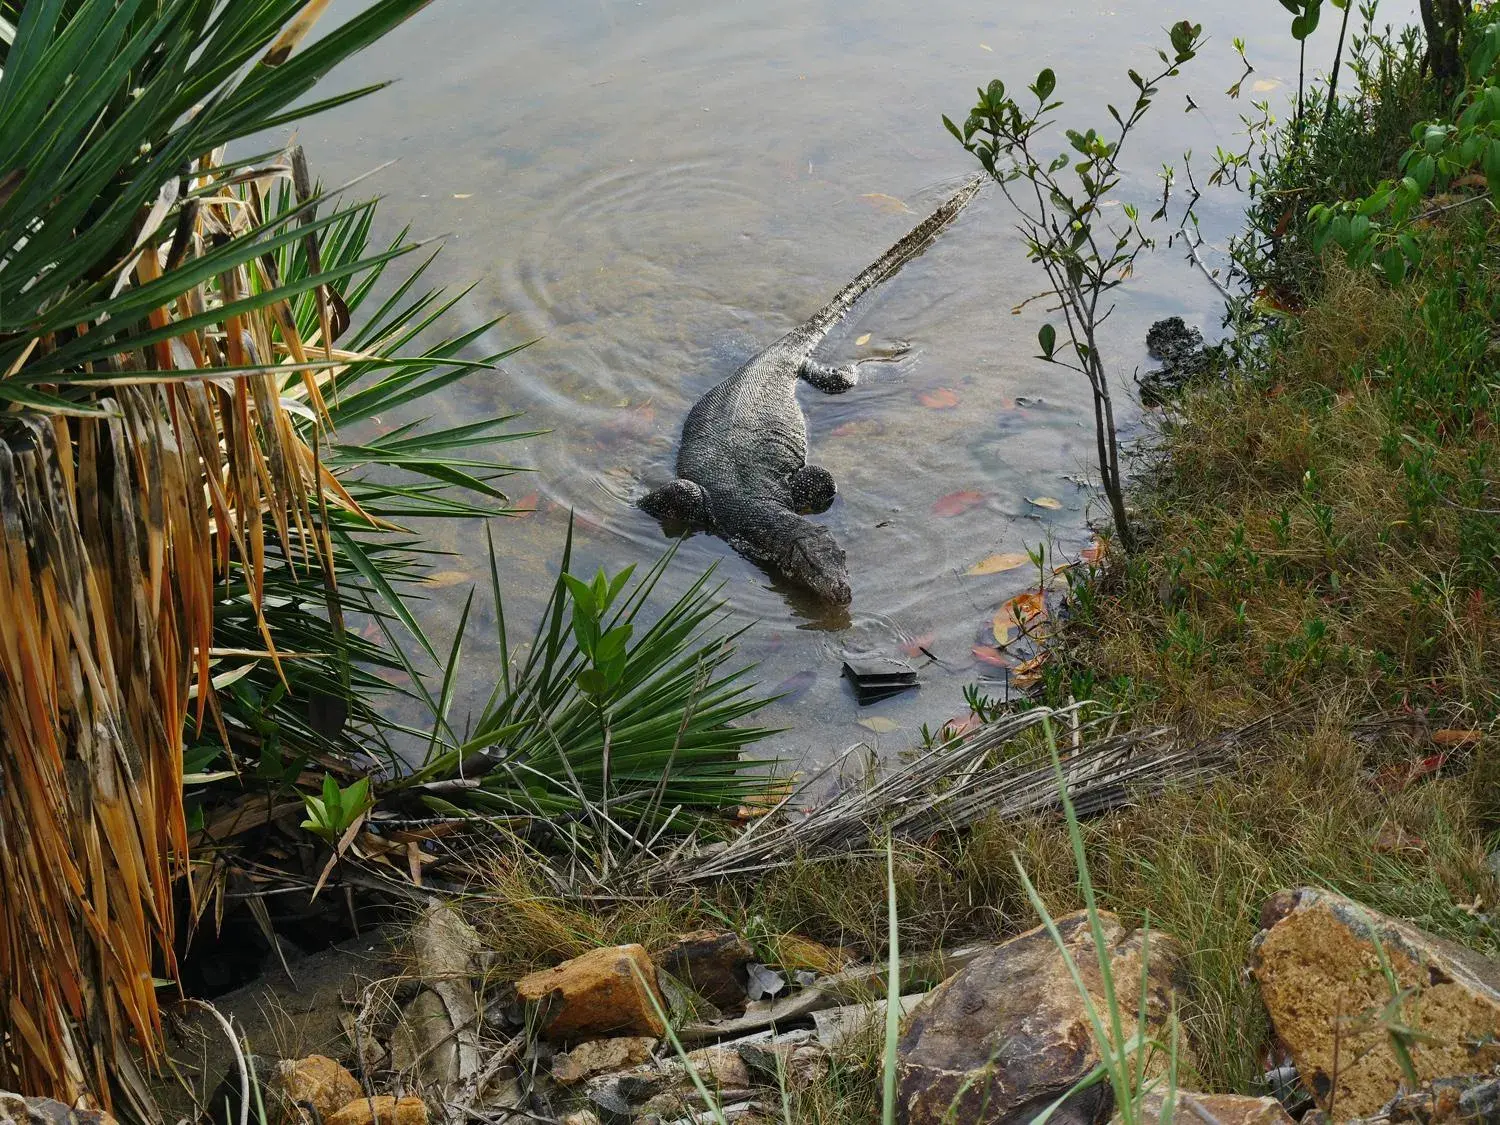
column 116, row 524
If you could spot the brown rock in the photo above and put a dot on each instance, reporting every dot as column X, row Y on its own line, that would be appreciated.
column 711, row 963
column 1320, row 973
column 720, row 1068
column 317, row 1079
column 600, row 1056
column 382, row 1109
column 1005, row 1037
column 1223, row 1109
column 607, row 991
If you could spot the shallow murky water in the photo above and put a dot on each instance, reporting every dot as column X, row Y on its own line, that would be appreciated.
column 654, row 190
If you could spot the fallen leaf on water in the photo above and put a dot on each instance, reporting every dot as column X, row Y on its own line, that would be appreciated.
column 879, row 724
column 1021, row 614
column 957, row 503
column 995, row 564
column 465, row 195
column 986, row 47
column 987, row 654
column 526, row 506
column 1264, row 85
column 862, row 341
column 1050, row 503
column 1456, row 737
column 444, row 578
column 887, row 204
column 940, row 398
column 859, row 427
column 1094, row 553
column 913, row 648
column 794, row 687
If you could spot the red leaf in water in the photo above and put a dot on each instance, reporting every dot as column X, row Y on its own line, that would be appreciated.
column 957, row 503
column 527, row 505
column 940, row 398
column 858, row 427
column 795, row 687
column 913, row 648
column 988, row 654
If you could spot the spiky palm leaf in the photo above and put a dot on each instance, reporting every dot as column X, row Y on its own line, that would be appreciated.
column 662, row 736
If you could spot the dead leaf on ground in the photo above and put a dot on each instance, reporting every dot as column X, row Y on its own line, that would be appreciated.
column 1030, row 671
column 939, row 398
column 879, row 724
column 1456, row 737
column 959, row 726
column 996, row 564
column 1051, row 503
column 957, row 503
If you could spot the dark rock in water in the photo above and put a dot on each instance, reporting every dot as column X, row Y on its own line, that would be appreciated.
column 878, row 677
column 1182, row 355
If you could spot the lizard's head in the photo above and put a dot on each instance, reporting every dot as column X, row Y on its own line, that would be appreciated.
column 812, row 557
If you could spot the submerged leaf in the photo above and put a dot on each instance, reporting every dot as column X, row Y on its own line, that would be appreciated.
column 879, row 724
column 1051, row 503
column 957, row 503
column 940, row 398
column 996, row 564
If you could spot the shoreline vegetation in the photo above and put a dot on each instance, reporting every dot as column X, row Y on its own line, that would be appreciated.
column 1279, row 672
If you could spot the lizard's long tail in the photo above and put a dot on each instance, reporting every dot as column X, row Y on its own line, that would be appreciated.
column 921, row 237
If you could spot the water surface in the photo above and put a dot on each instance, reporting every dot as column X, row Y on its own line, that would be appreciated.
column 653, row 190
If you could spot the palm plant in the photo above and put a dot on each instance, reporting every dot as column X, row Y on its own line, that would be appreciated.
column 173, row 365
column 599, row 729
column 208, row 451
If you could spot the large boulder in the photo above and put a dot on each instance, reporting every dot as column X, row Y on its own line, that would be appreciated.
column 1343, row 984
column 1006, row 1036
column 608, row 991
